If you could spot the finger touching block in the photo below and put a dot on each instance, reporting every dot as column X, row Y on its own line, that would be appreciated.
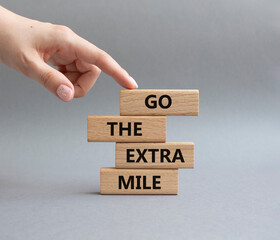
column 155, row 155
column 138, row 181
column 126, row 129
column 159, row 102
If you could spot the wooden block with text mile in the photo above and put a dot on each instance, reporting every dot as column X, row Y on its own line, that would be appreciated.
column 159, row 102
column 155, row 155
column 138, row 181
column 126, row 129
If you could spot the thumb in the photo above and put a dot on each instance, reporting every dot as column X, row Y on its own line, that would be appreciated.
column 53, row 80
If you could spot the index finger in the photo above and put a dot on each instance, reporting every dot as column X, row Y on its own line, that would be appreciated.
column 89, row 53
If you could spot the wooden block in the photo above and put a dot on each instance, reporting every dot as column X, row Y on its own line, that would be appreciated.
column 138, row 181
column 155, row 155
column 159, row 102
column 126, row 129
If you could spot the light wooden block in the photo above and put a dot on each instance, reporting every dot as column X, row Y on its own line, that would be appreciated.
column 111, row 129
column 159, row 102
column 138, row 181
column 155, row 155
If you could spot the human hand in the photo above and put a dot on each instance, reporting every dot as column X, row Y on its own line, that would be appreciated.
column 27, row 45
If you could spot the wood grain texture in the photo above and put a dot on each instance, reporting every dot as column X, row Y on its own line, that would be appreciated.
column 183, row 102
column 138, row 181
column 151, row 129
column 155, row 155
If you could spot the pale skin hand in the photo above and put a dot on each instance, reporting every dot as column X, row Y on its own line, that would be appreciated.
column 27, row 45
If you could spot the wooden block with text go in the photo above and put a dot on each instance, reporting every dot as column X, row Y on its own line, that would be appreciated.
column 159, row 102
column 138, row 181
column 126, row 129
column 155, row 155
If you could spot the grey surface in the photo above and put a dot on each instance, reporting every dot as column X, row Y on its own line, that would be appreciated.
column 229, row 50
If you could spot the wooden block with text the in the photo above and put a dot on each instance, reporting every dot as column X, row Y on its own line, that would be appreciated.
column 155, row 155
column 138, row 181
column 159, row 102
column 126, row 129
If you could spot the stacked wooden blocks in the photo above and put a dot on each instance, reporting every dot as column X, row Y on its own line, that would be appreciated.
column 145, row 163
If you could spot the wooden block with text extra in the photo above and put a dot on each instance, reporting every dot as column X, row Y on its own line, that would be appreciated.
column 159, row 102
column 138, row 181
column 155, row 155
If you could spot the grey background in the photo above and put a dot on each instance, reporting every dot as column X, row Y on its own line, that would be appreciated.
column 229, row 50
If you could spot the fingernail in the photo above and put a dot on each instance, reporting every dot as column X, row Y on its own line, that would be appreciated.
column 134, row 82
column 65, row 93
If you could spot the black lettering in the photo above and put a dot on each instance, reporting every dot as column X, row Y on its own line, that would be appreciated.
column 168, row 103
column 141, row 155
column 128, row 128
column 126, row 185
column 129, row 155
column 138, row 182
column 145, row 183
column 155, row 182
column 112, row 124
column 153, row 103
column 153, row 151
column 136, row 129
column 164, row 153
column 178, row 155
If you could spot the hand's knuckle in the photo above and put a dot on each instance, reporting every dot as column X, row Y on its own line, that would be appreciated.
column 63, row 33
column 48, row 24
column 104, row 56
column 46, row 78
column 26, row 63
column 83, row 92
column 62, row 28
column 94, row 69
